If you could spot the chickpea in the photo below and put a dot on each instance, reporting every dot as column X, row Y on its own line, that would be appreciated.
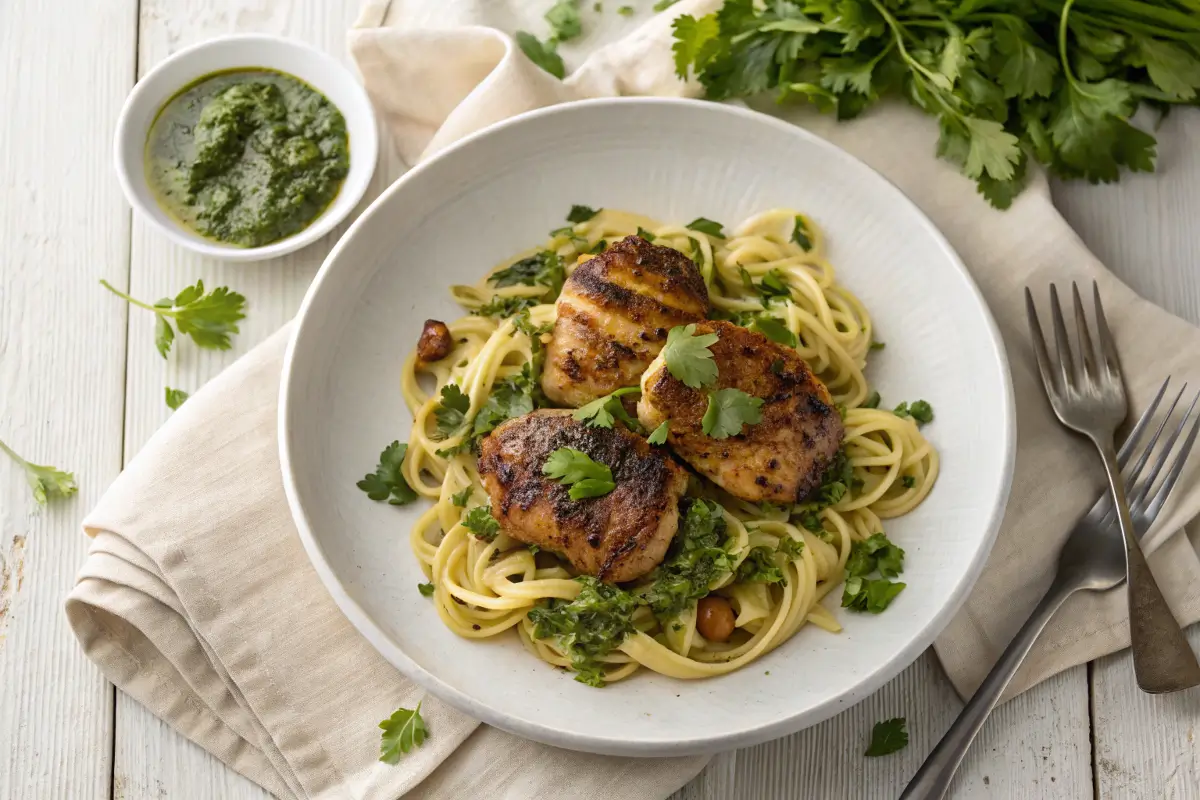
column 714, row 618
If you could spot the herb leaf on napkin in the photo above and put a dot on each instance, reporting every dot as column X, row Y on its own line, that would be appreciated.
column 402, row 731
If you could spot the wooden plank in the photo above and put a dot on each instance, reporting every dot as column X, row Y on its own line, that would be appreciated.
column 151, row 759
column 64, row 225
column 1146, row 746
column 1034, row 746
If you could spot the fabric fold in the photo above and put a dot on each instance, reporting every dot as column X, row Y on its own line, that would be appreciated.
column 197, row 598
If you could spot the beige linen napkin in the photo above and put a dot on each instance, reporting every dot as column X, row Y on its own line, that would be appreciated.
column 198, row 601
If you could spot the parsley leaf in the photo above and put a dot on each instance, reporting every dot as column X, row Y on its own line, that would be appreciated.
column 659, row 434
column 426, row 589
column 642, row 233
column 451, row 412
column 759, row 567
column 587, row 628
column 565, row 21
column 402, row 731
column 460, row 499
column 919, row 410
column 581, row 214
column 791, row 548
column 209, row 318
column 587, row 478
column 175, row 397
column 503, row 307
column 601, row 412
column 774, row 330
column 728, row 411
column 688, row 358
column 696, row 559
column 875, row 554
column 46, row 482
column 887, row 737
column 707, row 226
column 387, row 482
column 908, row 481
column 542, row 269
column 696, row 41
column 801, row 235
column 545, row 55
column 481, row 523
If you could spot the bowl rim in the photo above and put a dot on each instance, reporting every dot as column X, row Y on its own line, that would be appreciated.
column 324, row 223
column 627, row 746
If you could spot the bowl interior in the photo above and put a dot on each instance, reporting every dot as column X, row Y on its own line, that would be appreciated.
column 246, row 52
column 502, row 191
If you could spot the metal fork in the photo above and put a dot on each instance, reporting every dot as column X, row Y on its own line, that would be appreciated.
column 1090, row 399
column 1092, row 558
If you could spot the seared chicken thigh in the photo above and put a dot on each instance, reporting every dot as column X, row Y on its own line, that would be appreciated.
column 618, row 536
column 613, row 316
column 780, row 459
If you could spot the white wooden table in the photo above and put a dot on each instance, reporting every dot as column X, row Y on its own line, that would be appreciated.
column 81, row 387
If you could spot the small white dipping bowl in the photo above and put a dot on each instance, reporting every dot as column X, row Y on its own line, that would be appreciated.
column 250, row 52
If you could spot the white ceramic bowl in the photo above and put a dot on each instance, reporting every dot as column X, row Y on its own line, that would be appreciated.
column 233, row 52
column 499, row 192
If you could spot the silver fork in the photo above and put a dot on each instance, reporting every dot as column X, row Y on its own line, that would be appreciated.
column 1092, row 558
column 1090, row 399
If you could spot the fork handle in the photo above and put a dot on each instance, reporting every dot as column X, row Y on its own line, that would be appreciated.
column 934, row 777
column 1163, row 660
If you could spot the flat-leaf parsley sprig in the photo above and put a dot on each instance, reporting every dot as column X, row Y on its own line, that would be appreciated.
column 46, row 482
column 403, row 731
column 210, row 318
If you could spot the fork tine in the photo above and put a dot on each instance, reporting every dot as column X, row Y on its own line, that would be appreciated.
column 1165, row 455
column 1086, row 353
column 1039, row 344
column 1107, row 346
column 1168, row 484
column 1140, row 426
column 1140, row 490
column 1066, row 365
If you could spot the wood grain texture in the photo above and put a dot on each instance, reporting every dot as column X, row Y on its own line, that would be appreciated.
column 1143, row 229
column 63, row 225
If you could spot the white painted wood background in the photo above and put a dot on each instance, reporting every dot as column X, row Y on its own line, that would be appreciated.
column 82, row 387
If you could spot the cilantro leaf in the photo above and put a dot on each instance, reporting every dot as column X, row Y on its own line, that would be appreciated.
column 209, row 318
column 387, row 482
column 587, row 478
column 460, row 499
column 451, row 412
column 696, row 42
column 426, row 589
column 581, row 214
column 688, row 357
column 565, row 21
column 728, row 411
column 707, row 226
column 46, row 482
column 481, row 523
column 659, row 434
column 402, row 731
column 918, row 410
column 601, row 412
column 887, row 737
column 774, row 330
column 175, row 397
column 542, row 54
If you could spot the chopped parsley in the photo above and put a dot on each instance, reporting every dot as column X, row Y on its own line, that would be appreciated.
column 863, row 593
column 542, row 269
column 387, row 482
column 791, row 548
column 480, row 522
column 601, row 412
column 426, row 589
column 772, row 285
column 502, row 307
column 801, row 234
column 696, row 559
column 728, row 411
column 587, row 628
column 759, row 566
column 459, row 499
column 587, row 478
column 920, row 411
column 544, row 54
column 909, row 481
column 707, row 226
column 774, row 330
column 659, row 434
column 402, row 731
column 877, row 345
column 688, row 358
column 872, row 400
column 564, row 19
column 645, row 234
column 625, row 11
column 451, row 412
column 581, row 214
column 599, row 247
column 887, row 737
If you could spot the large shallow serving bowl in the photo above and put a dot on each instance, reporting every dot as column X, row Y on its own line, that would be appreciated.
column 500, row 192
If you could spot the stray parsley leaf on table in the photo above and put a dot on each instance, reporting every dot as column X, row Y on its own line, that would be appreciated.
column 887, row 737
column 481, row 523
column 46, row 482
column 387, row 482
column 659, row 434
column 707, row 226
column 402, row 731
column 601, row 412
column 175, row 397
column 728, row 411
column 209, row 318
column 587, row 478
column 688, row 358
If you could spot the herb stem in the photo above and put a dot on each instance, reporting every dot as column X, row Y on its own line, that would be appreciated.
column 11, row 454
column 129, row 299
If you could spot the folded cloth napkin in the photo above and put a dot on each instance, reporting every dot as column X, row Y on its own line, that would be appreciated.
column 196, row 597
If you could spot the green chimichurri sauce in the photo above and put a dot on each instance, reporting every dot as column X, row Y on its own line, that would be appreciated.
column 247, row 157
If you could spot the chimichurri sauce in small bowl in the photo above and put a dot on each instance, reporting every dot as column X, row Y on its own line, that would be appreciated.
column 247, row 157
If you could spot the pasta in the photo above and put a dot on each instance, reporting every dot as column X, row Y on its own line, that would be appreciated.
column 772, row 267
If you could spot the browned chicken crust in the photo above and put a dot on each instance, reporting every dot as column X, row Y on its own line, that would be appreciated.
column 617, row 537
column 613, row 316
column 779, row 460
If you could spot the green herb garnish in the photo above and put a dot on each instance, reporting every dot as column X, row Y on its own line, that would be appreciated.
column 402, row 731
column 919, row 410
column 875, row 554
column 688, row 358
column 451, row 412
column 460, row 499
column 387, row 482
column 587, row 478
column 707, row 226
column 545, row 54
column 564, row 19
column 696, row 559
column 581, row 214
column 46, row 482
column 774, row 330
column 426, row 589
column 209, row 318
column 587, row 628
column 175, row 397
column 659, row 434
column 728, row 411
column 759, row 566
column 601, row 412
column 480, row 522
column 888, row 737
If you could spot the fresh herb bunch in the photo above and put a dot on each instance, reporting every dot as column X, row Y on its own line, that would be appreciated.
column 1008, row 80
